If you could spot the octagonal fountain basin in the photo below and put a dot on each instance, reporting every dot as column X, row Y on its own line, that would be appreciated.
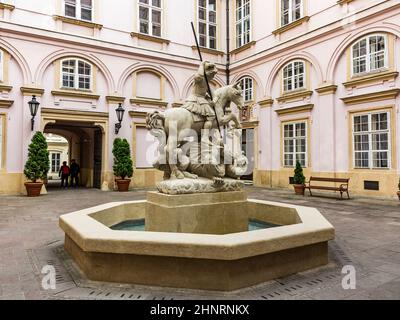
column 255, row 241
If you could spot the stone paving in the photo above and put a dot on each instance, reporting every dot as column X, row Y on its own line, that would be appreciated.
column 367, row 237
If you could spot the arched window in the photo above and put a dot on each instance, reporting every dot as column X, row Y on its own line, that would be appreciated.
column 246, row 84
column 369, row 54
column 76, row 74
column 294, row 75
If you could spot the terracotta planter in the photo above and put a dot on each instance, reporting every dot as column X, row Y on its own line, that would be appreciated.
column 299, row 189
column 123, row 185
column 33, row 188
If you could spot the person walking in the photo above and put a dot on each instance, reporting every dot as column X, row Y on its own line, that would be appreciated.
column 74, row 170
column 64, row 174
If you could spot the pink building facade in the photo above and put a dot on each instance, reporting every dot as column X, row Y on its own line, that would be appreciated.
column 320, row 79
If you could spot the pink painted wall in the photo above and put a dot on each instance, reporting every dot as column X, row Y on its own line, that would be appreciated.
column 35, row 41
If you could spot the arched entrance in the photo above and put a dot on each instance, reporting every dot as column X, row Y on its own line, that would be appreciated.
column 87, row 136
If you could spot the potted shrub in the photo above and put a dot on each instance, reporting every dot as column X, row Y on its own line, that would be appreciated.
column 123, row 165
column 37, row 166
column 299, row 179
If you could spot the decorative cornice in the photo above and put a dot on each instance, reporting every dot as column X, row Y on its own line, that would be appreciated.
column 149, row 38
column 209, row 51
column 115, row 99
column 138, row 114
column 266, row 103
column 298, row 109
column 7, row 6
column 6, row 103
column 295, row 96
column 371, row 78
column 75, row 94
column 292, row 25
column 342, row 2
column 30, row 91
column 243, row 48
column 149, row 102
column 327, row 89
column 5, row 88
column 371, row 97
column 77, row 22
column 250, row 124
column 45, row 112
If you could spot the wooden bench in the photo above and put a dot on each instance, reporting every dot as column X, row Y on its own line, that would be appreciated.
column 344, row 185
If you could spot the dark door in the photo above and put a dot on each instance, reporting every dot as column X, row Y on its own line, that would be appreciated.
column 97, row 158
column 248, row 149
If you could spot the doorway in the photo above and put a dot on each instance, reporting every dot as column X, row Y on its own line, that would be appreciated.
column 248, row 150
column 84, row 145
column 97, row 158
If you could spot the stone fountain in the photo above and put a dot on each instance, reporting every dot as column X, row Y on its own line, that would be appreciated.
column 198, row 230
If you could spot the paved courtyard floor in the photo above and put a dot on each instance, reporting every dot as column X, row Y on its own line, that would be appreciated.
column 367, row 237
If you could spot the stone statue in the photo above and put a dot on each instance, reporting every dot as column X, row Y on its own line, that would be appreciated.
column 192, row 151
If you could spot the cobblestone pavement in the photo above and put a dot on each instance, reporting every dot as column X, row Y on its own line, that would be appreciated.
column 367, row 237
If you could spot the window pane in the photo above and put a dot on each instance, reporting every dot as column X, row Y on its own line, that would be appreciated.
column 156, row 30
column 212, row 5
column 144, row 27
column 86, row 14
column 144, row 13
column 70, row 10
column 156, row 16
column 156, row 3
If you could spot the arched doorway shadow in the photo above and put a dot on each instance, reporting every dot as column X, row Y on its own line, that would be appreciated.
column 85, row 146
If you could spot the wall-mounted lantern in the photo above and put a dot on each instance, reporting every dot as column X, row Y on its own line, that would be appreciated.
column 33, row 108
column 120, row 116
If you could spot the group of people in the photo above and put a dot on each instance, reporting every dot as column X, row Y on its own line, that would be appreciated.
column 69, row 171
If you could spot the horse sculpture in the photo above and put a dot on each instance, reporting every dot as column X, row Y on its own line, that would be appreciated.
column 177, row 125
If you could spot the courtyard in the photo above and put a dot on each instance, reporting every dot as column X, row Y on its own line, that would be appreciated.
column 367, row 238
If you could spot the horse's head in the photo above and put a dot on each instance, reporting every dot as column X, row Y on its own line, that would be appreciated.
column 236, row 95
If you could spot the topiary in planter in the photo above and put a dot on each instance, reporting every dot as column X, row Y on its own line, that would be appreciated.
column 123, row 165
column 299, row 179
column 38, row 164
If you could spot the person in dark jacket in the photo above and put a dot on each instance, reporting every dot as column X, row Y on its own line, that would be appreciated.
column 64, row 174
column 75, row 170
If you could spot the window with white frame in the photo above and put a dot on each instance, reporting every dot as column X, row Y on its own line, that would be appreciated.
column 295, row 144
column 243, row 22
column 55, row 161
column 291, row 10
column 1, row 65
column 294, row 75
column 371, row 140
column 207, row 16
column 76, row 74
column 150, row 17
column 246, row 84
column 369, row 54
column 79, row 9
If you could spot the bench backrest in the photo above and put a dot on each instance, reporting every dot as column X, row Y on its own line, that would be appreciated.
column 329, row 179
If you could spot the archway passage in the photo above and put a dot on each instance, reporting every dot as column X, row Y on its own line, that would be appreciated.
column 84, row 145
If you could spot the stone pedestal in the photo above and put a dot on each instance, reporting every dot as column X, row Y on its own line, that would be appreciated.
column 204, row 213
